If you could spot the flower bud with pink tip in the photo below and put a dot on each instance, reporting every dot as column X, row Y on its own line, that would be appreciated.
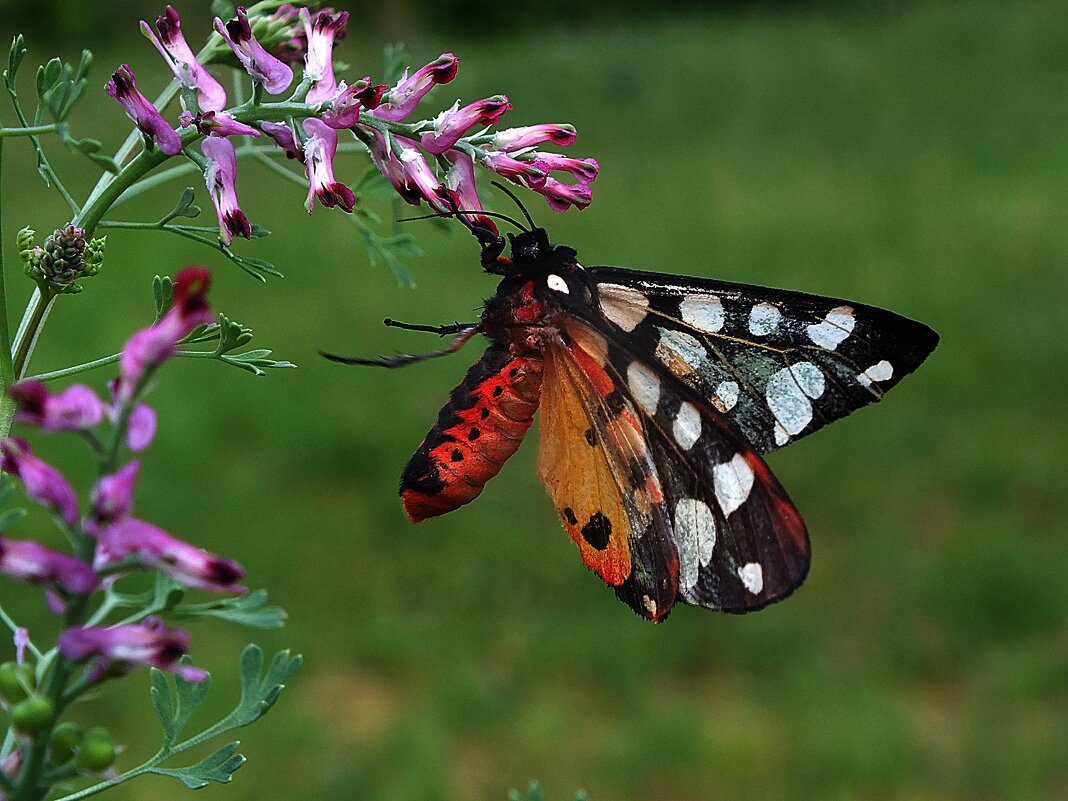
column 123, row 87
column 121, row 647
column 274, row 74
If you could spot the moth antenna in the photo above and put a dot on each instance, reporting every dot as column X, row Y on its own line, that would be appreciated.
column 402, row 359
column 457, row 212
column 516, row 200
column 440, row 330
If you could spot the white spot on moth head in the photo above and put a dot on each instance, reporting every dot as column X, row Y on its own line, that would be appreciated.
column 732, row 482
column 557, row 284
column 881, row 371
column 681, row 353
column 703, row 312
column 687, row 426
column 644, row 386
column 752, row 576
column 726, row 396
column 622, row 305
column 764, row 319
column 695, row 533
column 835, row 327
column 787, row 394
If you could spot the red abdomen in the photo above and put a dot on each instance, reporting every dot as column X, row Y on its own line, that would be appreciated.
column 475, row 433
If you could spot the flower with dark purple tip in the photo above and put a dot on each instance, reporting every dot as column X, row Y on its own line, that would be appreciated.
column 179, row 57
column 74, row 409
column 511, row 139
column 152, row 345
column 561, row 196
column 319, row 60
column 283, row 136
column 113, row 495
column 460, row 181
column 34, row 563
column 583, row 170
column 120, row 647
column 401, row 100
column 221, row 179
column 216, row 123
column 453, row 123
column 344, row 111
column 274, row 74
column 43, row 483
column 154, row 547
column 319, row 153
column 406, row 169
column 123, row 87
column 525, row 173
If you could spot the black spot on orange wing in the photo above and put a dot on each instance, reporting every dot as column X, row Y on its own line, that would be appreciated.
column 476, row 432
column 597, row 531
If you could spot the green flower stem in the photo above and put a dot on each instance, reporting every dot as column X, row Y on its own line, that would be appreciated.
column 13, row 626
column 33, row 130
column 7, row 371
column 26, row 337
column 42, row 160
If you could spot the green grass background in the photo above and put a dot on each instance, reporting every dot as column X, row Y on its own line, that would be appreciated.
column 912, row 156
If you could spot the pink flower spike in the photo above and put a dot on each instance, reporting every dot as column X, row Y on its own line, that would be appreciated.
column 344, row 111
column 34, row 563
column 453, row 123
column 460, row 180
column 74, row 409
column 319, row 164
column 123, row 87
column 113, row 495
column 155, row 548
column 283, row 136
column 221, row 180
column 179, row 57
column 319, row 61
column 401, row 100
column 524, row 173
column 512, row 139
column 275, row 75
column 43, row 483
column 216, row 123
column 152, row 345
column 561, row 196
column 149, row 643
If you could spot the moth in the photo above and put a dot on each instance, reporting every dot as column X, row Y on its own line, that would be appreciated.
column 659, row 394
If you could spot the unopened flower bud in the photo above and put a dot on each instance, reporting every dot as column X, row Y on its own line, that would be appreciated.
column 16, row 681
column 66, row 737
column 94, row 256
column 61, row 261
column 26, row 244
column 97, row 752
column 32, row 714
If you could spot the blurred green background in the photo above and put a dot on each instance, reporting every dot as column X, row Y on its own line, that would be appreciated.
column 912, row 156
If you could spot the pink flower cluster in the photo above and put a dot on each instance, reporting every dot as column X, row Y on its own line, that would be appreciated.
column 431, row 160
column 121, row 542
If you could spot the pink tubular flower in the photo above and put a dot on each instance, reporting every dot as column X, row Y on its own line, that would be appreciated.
column 319, row 61
column 283, row 136
column 155, row 548
column 274, row 74
column 512, row 139
column 453, row 123
column 179, row 57
column 113, row 495
column 74, row 409
column 584, row 170
column 152, row 345
column 561, row 196
column 402, row 99
column 319, row 163
column 524, row 173
column 44, row 484
column 216, row 123
column 344, row 111
column 148, row 643
column 460, row 181
column 403, row 165
column 34, row 563
column 123, row 87
column 221, row 180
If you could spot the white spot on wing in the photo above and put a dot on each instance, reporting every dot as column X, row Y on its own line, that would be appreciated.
column 681, row 353
column 732, row 482
column 764, row 319
column 752, row 576
column 882, row 371
column 695, row 533
column 557, row 284
column 703, row 312
column 788, row 394
column 622, row 305
column 687, row 426
column 726, row 396
column 644, row 385
column 836, row 326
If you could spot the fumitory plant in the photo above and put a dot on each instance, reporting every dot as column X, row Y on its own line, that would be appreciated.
column 287, row 111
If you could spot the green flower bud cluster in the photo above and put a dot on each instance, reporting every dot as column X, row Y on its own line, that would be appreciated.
column 65, row 257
